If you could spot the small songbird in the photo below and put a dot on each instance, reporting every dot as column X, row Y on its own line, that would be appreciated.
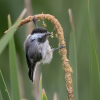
column 38, row 50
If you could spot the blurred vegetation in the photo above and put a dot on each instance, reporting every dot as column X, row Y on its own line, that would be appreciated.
column 84, row 40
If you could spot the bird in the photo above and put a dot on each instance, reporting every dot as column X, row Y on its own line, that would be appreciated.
column 38, row 50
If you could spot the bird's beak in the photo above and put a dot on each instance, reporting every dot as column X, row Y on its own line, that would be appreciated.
column 48, row 33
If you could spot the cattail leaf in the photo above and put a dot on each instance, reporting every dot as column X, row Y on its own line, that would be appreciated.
column 4, row 95
column 73, row 63
column 94, row 69
column 44, row 97
column 73, row 57
column 6, row 38
column 13, row 67
column 40, row 87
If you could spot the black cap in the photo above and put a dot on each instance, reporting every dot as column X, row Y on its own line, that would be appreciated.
column 39, row 30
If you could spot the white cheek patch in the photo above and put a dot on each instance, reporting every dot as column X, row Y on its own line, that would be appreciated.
column 37, row 35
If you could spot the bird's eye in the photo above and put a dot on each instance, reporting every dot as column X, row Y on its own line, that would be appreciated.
column 41, row 31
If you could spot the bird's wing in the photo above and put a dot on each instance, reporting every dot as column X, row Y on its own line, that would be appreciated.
column 32, row 65
column 28, row 61
column 32, row 57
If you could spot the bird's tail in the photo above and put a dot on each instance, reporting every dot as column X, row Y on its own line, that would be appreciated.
column 31, row 73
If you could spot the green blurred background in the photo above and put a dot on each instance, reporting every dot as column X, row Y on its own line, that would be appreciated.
column 53, row 74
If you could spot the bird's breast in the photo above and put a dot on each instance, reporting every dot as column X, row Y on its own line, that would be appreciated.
column 46, row 52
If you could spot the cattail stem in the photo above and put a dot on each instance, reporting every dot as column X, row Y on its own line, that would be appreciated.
column 62, row 52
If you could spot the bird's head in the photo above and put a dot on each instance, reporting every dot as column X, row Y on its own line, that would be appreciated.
column 41, row 34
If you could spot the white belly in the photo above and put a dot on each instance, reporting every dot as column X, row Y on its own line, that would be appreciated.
column 46, row 52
